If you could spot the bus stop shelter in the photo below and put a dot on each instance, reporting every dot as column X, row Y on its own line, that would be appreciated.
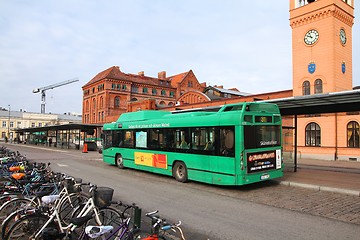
column 334, row 102
column 70, row 135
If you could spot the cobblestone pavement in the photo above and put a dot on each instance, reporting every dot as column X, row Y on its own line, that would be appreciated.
column 337, row 206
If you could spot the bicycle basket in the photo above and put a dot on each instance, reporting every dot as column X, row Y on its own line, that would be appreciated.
column 103, row 196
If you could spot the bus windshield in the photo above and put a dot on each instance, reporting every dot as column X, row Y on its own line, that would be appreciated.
column 260, row 136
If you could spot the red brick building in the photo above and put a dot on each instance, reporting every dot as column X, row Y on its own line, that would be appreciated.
column 110, row 92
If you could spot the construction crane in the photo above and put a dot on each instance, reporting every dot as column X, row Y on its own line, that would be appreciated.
column 42, row 90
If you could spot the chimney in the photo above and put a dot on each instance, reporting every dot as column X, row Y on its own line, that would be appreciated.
column 141, row 73
column 162, row 75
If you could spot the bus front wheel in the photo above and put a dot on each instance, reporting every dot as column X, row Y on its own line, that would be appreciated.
column 180, row 172
column 119, row 161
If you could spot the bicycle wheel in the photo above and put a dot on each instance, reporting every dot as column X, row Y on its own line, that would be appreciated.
column 28, row 226
column 68, row 204
column 13, row 205
column 7, row 197
column 108, row 216
column 8, row 222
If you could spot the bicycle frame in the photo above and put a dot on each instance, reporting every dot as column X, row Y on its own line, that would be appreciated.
column 89, row 207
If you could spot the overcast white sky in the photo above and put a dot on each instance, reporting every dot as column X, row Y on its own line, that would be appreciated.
column 242, row 44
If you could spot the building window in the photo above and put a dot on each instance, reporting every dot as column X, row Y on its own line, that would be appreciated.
column 313, row 135
column 145, row 90
column 318, row 86
column 172, row 94
column 117, row 102
column 124, row 87
column 87, row 106
column 113, row 86
column 101, row 102
column 306, row 88
column 40, row 124
column 163, row 92
column 100, row 87
column 32, row 124
column 353, row 134
column 134, row 89
column 154, row 91
column 94, row 103
column 3, row 124
column 18, row 124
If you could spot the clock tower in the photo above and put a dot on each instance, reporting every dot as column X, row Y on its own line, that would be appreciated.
column 321, row 45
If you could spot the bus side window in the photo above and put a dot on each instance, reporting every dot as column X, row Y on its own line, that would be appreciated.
column 129, row 139
column 227, row 142
column 182, row 139
column 209, row 146
column 183, row 144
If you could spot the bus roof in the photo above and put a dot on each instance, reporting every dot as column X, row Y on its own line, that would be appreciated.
column 192, row 118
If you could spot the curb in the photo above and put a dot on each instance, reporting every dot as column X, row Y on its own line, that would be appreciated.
column 321, row 188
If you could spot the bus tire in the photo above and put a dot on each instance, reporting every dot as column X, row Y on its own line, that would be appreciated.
column 119, row 161
column 180, row 172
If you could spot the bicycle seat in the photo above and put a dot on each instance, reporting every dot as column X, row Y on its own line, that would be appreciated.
column 97, row 231
column 50, row 199
column 80, row 220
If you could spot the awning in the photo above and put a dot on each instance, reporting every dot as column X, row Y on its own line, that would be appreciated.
column 346, row 101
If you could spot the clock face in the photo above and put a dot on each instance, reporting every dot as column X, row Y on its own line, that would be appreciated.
column 311, row 37
column 342, row 36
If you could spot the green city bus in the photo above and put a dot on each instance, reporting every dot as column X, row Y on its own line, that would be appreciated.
column 236, row 145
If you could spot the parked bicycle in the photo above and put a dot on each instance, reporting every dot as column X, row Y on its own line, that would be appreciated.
column 159, row 228
column 31, row 226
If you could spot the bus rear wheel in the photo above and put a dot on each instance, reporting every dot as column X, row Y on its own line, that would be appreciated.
column 119, row 161
column 180, row 172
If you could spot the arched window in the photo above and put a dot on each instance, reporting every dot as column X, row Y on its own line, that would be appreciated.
column 101, row 102
column 313, row 135
column 353, row 134
column 94, row 103
column 117, row 102
column 306, row 88
column 318, row 86
column 133, row 100
column 87, row 106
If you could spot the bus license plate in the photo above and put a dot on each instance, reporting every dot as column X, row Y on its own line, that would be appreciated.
column 265, row 176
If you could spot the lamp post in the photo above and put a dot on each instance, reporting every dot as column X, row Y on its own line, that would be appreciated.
column 9, row 124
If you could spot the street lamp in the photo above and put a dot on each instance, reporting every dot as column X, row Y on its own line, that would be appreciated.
column 9, row 124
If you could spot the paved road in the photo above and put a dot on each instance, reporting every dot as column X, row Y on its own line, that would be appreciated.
column 265, row 210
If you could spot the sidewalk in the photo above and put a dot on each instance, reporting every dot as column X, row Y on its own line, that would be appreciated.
column 321, row 175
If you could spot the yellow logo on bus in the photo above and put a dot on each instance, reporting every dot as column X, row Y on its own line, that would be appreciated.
column 151, row 159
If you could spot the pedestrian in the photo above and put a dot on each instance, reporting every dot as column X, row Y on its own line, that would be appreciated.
column 50, row 142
